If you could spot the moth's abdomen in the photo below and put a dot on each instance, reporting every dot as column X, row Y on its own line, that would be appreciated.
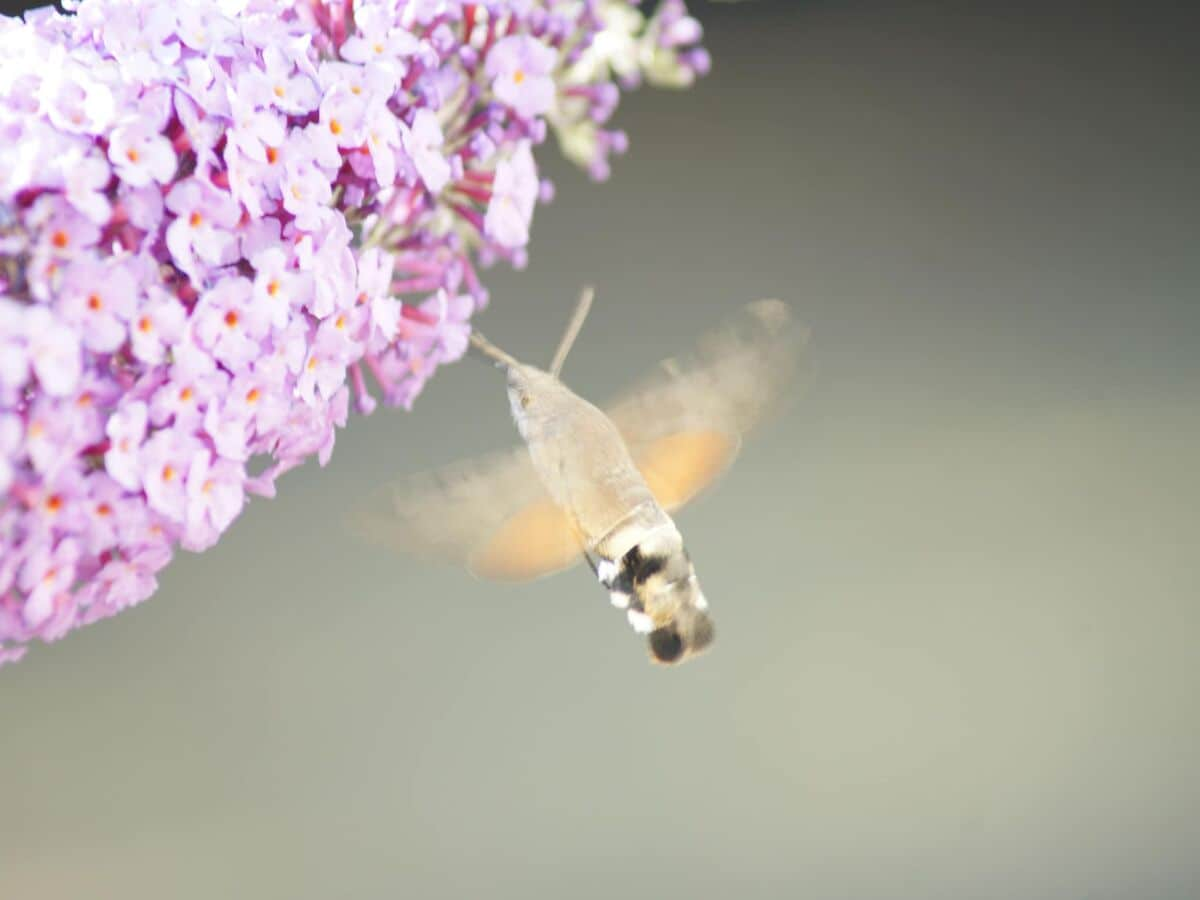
column 625, row 577
column 656, row 585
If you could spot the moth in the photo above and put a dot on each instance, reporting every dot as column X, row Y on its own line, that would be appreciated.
column 600, row 485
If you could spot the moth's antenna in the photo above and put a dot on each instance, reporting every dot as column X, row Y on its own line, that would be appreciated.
column 491, row 351
column 572, row 332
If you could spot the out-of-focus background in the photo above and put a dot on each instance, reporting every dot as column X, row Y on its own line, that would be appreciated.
column 956, row 585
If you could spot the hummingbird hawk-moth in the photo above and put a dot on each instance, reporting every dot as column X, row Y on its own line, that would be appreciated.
column 601, row 484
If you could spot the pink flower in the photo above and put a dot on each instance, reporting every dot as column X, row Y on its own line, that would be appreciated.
column 144, row 207
column 49, row 436
column 254, row 398
column 214, row 499
column 454, row 324
column 325, row 368
column 306, row 193
column 312, row 430
column 157, row 325
column 202, row 232
column 423, row 143
column 142, row 39
column 75, row 101
column 378, row 40
column 54, row 351
column 99, row 298
column 514, row 193
column 126, row 430
column 278, row 288
column 290, row 91
column 520, row 68
column 343, row 115
column 193, row 381
column 45, row 577
column 229, row 324
column 288, row 349
column 63, row 234
column 383, row 140
column 253, row 129
column 86, row 181
column 165, row 461
column 122, row 583
column 107, row 508
column 206, row 29
column 374, row 289
column 140, row 155
column 228, row 428
column 325, row 254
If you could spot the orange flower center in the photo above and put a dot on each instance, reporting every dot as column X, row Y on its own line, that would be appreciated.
column 60, row 239
column 95, row 304
column 231, row 319
column 195, row 219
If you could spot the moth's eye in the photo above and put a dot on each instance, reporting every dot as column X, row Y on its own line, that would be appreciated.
column 526, row 400
column 666, row 645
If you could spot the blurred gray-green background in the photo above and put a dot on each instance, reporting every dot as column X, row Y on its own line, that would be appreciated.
column 956, row 584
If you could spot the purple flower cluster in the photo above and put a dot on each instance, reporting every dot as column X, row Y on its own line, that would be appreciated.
column 218, row 218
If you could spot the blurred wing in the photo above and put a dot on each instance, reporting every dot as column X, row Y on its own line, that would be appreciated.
column 491, row 515
column 684, row 425
column 537, row 540
column 679, row 466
